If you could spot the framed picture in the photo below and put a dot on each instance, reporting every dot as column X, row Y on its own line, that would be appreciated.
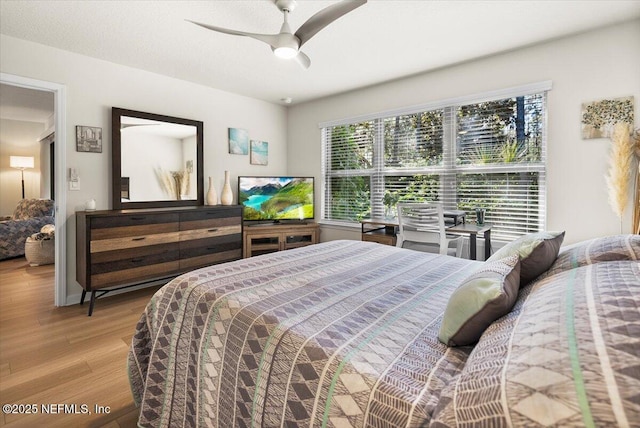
column 88, row 139
column 598, row 117
column 238, row 141
column 259, row 152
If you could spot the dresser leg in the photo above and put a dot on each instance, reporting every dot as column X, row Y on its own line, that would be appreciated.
column 93, row 301
column 84, row 294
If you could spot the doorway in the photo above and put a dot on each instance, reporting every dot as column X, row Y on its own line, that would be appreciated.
column 59, row 92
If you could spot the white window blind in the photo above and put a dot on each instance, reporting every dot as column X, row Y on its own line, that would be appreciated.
column 485, row 152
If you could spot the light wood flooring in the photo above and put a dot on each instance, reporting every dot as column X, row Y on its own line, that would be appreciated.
column 52, row 355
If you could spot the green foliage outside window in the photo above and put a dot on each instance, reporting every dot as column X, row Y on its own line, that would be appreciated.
column 355, row 150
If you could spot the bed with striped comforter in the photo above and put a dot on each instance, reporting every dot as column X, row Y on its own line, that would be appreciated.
column 344, row 334
column 567, row 355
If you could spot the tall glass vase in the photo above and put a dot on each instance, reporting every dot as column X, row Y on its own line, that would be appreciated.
column 212, row 196
column 227, row 195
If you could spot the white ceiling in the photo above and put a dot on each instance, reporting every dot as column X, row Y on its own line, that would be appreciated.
column 380, row 41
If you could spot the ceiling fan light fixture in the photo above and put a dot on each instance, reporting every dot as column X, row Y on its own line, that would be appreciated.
column 285, row 52
column 286, row 44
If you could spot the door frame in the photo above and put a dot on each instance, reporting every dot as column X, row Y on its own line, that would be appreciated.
column 60, row 114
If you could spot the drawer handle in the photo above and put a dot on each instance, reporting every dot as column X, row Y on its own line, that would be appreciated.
column 138, row 218
column 136, row 260
column 213, row 230
column 139, row 239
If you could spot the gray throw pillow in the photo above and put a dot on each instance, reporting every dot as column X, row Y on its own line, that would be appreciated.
column 485, row 296
column 597, row 250
column 537, row 253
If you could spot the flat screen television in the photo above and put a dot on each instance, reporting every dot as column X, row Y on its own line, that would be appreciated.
column 275, row 199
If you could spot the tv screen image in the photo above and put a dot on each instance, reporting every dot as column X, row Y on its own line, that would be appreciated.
column 276, row 198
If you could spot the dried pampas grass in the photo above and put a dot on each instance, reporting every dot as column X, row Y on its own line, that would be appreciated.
column 620, row 168
column 166, row 182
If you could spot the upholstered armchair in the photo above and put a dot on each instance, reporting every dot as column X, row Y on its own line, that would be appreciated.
column 28, row 218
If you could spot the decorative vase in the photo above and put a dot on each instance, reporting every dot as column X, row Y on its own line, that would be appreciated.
column 212, row 196
column 227, row 195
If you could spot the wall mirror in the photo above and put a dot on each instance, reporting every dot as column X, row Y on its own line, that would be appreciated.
column 156, row 160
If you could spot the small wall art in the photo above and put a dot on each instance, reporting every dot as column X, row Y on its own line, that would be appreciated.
column 88, row 139
column 598, row 117
column 259, row 152
column 238, row 141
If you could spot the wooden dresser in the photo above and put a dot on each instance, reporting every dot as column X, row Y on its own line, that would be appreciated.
column 121, row 248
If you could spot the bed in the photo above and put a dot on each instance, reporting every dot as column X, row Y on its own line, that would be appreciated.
column 345, row 334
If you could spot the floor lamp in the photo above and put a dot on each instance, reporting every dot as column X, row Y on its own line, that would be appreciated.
column 21, row 163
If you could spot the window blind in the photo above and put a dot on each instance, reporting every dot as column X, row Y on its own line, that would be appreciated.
column 481, row 153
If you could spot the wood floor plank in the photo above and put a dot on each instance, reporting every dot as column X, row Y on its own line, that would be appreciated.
column 52, row 355
column 16, row 392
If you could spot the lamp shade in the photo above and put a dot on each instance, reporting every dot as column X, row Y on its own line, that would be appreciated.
column 21, row 162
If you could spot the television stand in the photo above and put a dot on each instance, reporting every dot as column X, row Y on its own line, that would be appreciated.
column 269, row 238
column 276, row 223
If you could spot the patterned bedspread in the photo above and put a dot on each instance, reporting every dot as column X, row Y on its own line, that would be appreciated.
column 568, row 354
column 340, row 334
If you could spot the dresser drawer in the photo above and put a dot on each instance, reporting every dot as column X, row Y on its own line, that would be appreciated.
column 210, row 232
column 135, row 273
column 151, row 251
column 209, row 245
column 133, row 225
column 133, row 264
column 133, row 241
column 207, row 219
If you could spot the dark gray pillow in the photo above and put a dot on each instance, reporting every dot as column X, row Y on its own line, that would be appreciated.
column 485, row 296
column 604, row 249
column 537, row 253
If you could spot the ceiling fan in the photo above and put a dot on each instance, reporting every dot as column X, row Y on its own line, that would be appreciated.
column 287, row 45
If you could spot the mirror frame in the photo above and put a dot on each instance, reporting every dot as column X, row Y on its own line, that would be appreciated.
column 116, row 160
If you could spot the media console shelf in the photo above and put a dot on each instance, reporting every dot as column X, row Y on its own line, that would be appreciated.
column 269, row 238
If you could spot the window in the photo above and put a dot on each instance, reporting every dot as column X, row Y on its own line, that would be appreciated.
column 482, row 151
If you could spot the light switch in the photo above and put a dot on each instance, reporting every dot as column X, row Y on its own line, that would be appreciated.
column 74, row 179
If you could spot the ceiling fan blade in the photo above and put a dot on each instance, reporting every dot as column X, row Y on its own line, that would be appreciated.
column 325, row 17
column 303, row 60
column 270, row 39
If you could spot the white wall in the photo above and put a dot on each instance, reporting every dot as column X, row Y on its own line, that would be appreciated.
column 587, row 67
column 18, row 138
column 94, row 86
